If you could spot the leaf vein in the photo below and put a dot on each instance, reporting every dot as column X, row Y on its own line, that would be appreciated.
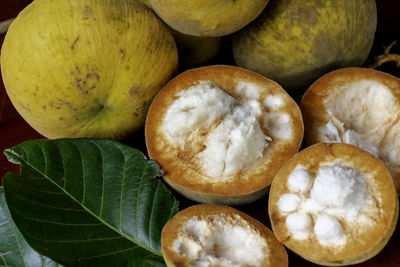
column 152, row 212
column 44, row 205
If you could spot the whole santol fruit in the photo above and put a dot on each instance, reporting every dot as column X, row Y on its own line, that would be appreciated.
column 207, row 18
column 295, row 42
column 86, row 68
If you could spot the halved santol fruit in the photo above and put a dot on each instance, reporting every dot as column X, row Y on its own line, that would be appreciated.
column 295, row 42
column 358, row 106
column 333, row 204
column 212, row 235
column 207, row 17
column 221, row 133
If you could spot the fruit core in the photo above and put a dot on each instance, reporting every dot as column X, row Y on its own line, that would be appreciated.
column 220, row 134
column 365, row 114
column 331, row 203
column 221, row 240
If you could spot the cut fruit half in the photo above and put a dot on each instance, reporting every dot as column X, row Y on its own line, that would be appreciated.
column 213, row 235
column 221, row 133
column 357, row 106
column 333, row 204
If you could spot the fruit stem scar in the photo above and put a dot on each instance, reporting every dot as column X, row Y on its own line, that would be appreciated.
column 74, row 43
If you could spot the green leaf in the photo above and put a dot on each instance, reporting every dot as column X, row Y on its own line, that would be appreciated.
column 14, row 250
column 88, row 201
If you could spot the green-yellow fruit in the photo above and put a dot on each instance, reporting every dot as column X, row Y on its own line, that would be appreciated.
column 193, row 50
column 295, row 42
column 196, row 50
column 146, row 2
column 208, row 17
column 86, row 68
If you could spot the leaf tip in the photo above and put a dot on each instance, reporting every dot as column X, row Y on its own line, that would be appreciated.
column 12, row 155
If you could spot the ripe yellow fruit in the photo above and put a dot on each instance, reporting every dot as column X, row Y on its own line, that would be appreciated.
column 86, row 68
column 207, row 18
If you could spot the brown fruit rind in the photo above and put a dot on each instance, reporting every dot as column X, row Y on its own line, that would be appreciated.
column 248, row 185
column 362, row 246
column 278, row 255
column 314, row 107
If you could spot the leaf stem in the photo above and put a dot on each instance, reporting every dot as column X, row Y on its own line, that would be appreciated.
column 386, row 57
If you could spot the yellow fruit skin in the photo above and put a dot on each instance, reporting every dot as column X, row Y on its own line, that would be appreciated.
column 86, row 68
column 208, row 17
column 146, row 2
column 295, row 42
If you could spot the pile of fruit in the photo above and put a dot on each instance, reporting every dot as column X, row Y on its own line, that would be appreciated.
column 91, row 74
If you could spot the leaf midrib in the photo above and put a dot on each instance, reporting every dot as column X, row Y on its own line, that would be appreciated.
column 86, row 209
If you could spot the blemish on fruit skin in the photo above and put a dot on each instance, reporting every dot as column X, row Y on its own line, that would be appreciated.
column 93, row 75
column 80, row 85
column 25, row 107
column 87, row 12
column 65, row 103
column 74, row 43
column 77, row 69
column 134, row 91
column 122, row 52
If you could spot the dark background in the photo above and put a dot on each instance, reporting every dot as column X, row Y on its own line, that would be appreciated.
column 13, row 129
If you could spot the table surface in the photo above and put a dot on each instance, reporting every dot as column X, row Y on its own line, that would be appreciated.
column 13, row 129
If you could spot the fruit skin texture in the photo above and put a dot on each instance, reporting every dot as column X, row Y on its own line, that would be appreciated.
column 86, row 68
column 295, row 42
column 208, row 17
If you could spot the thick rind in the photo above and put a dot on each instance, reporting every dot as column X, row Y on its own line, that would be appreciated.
column 360, row 248
column 248, row 185
column 313, row 103
column 278, row 255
